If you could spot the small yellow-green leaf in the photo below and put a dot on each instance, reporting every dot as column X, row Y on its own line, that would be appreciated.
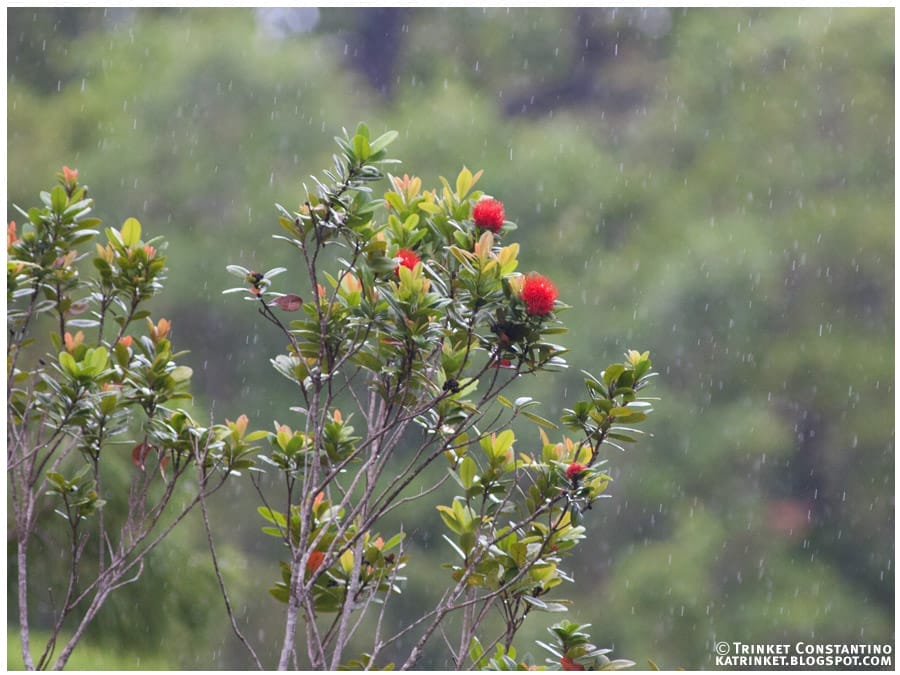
column 181, row 374
column 540, row 421
column 347, row 559
column 131, row 232
column 108, row 403
column 503, row 442
column 96, row 359
column 449, row 519
column 467, row 471
column 67, row 361
column 463, row 183
column 622, row 412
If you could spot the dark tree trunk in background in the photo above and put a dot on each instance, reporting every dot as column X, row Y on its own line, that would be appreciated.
column 374, row 45
column 597, row 36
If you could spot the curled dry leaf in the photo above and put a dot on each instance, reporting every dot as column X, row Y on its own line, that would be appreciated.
column 139, row 454
column 289, row 302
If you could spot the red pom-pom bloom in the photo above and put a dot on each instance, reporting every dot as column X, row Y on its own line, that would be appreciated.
column 488, row 214
column 538, row 294
column 408, row 259
column 575, row 469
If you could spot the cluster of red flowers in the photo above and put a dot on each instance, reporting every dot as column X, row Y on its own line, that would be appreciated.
column 408, row 258
column 488, row 214
column 538, row 293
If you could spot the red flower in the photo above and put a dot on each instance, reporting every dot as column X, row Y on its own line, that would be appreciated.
column 538, row 294
column 408, row 259
column 488, row 214
column 575, row 469
column 569, row 664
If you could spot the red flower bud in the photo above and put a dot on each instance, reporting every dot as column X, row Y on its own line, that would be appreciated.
column 408, row 259
column 574, row 470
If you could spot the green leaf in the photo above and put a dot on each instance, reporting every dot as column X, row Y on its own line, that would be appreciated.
column 613, row 372
column 361, row 148
column 393, row 199
column 393, row 541
column 280, row 592
column 467, row 471
column 131, row 232
column 108, row 403
column 632, row 418
column 368, row 361
column 238, row 271
column 67, row 361
column 58, row 199
column 95, row 361
column 476, row 651
column 181, row 374
column 449, row 518
column 540, row 421
column 346, row 561
column 463, row 183
column 503, row 442
column 272, row 516
column 57, row 479
column 621, row 412
column 383, row 141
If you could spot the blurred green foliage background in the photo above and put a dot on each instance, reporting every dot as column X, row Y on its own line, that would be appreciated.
column 716, row 186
